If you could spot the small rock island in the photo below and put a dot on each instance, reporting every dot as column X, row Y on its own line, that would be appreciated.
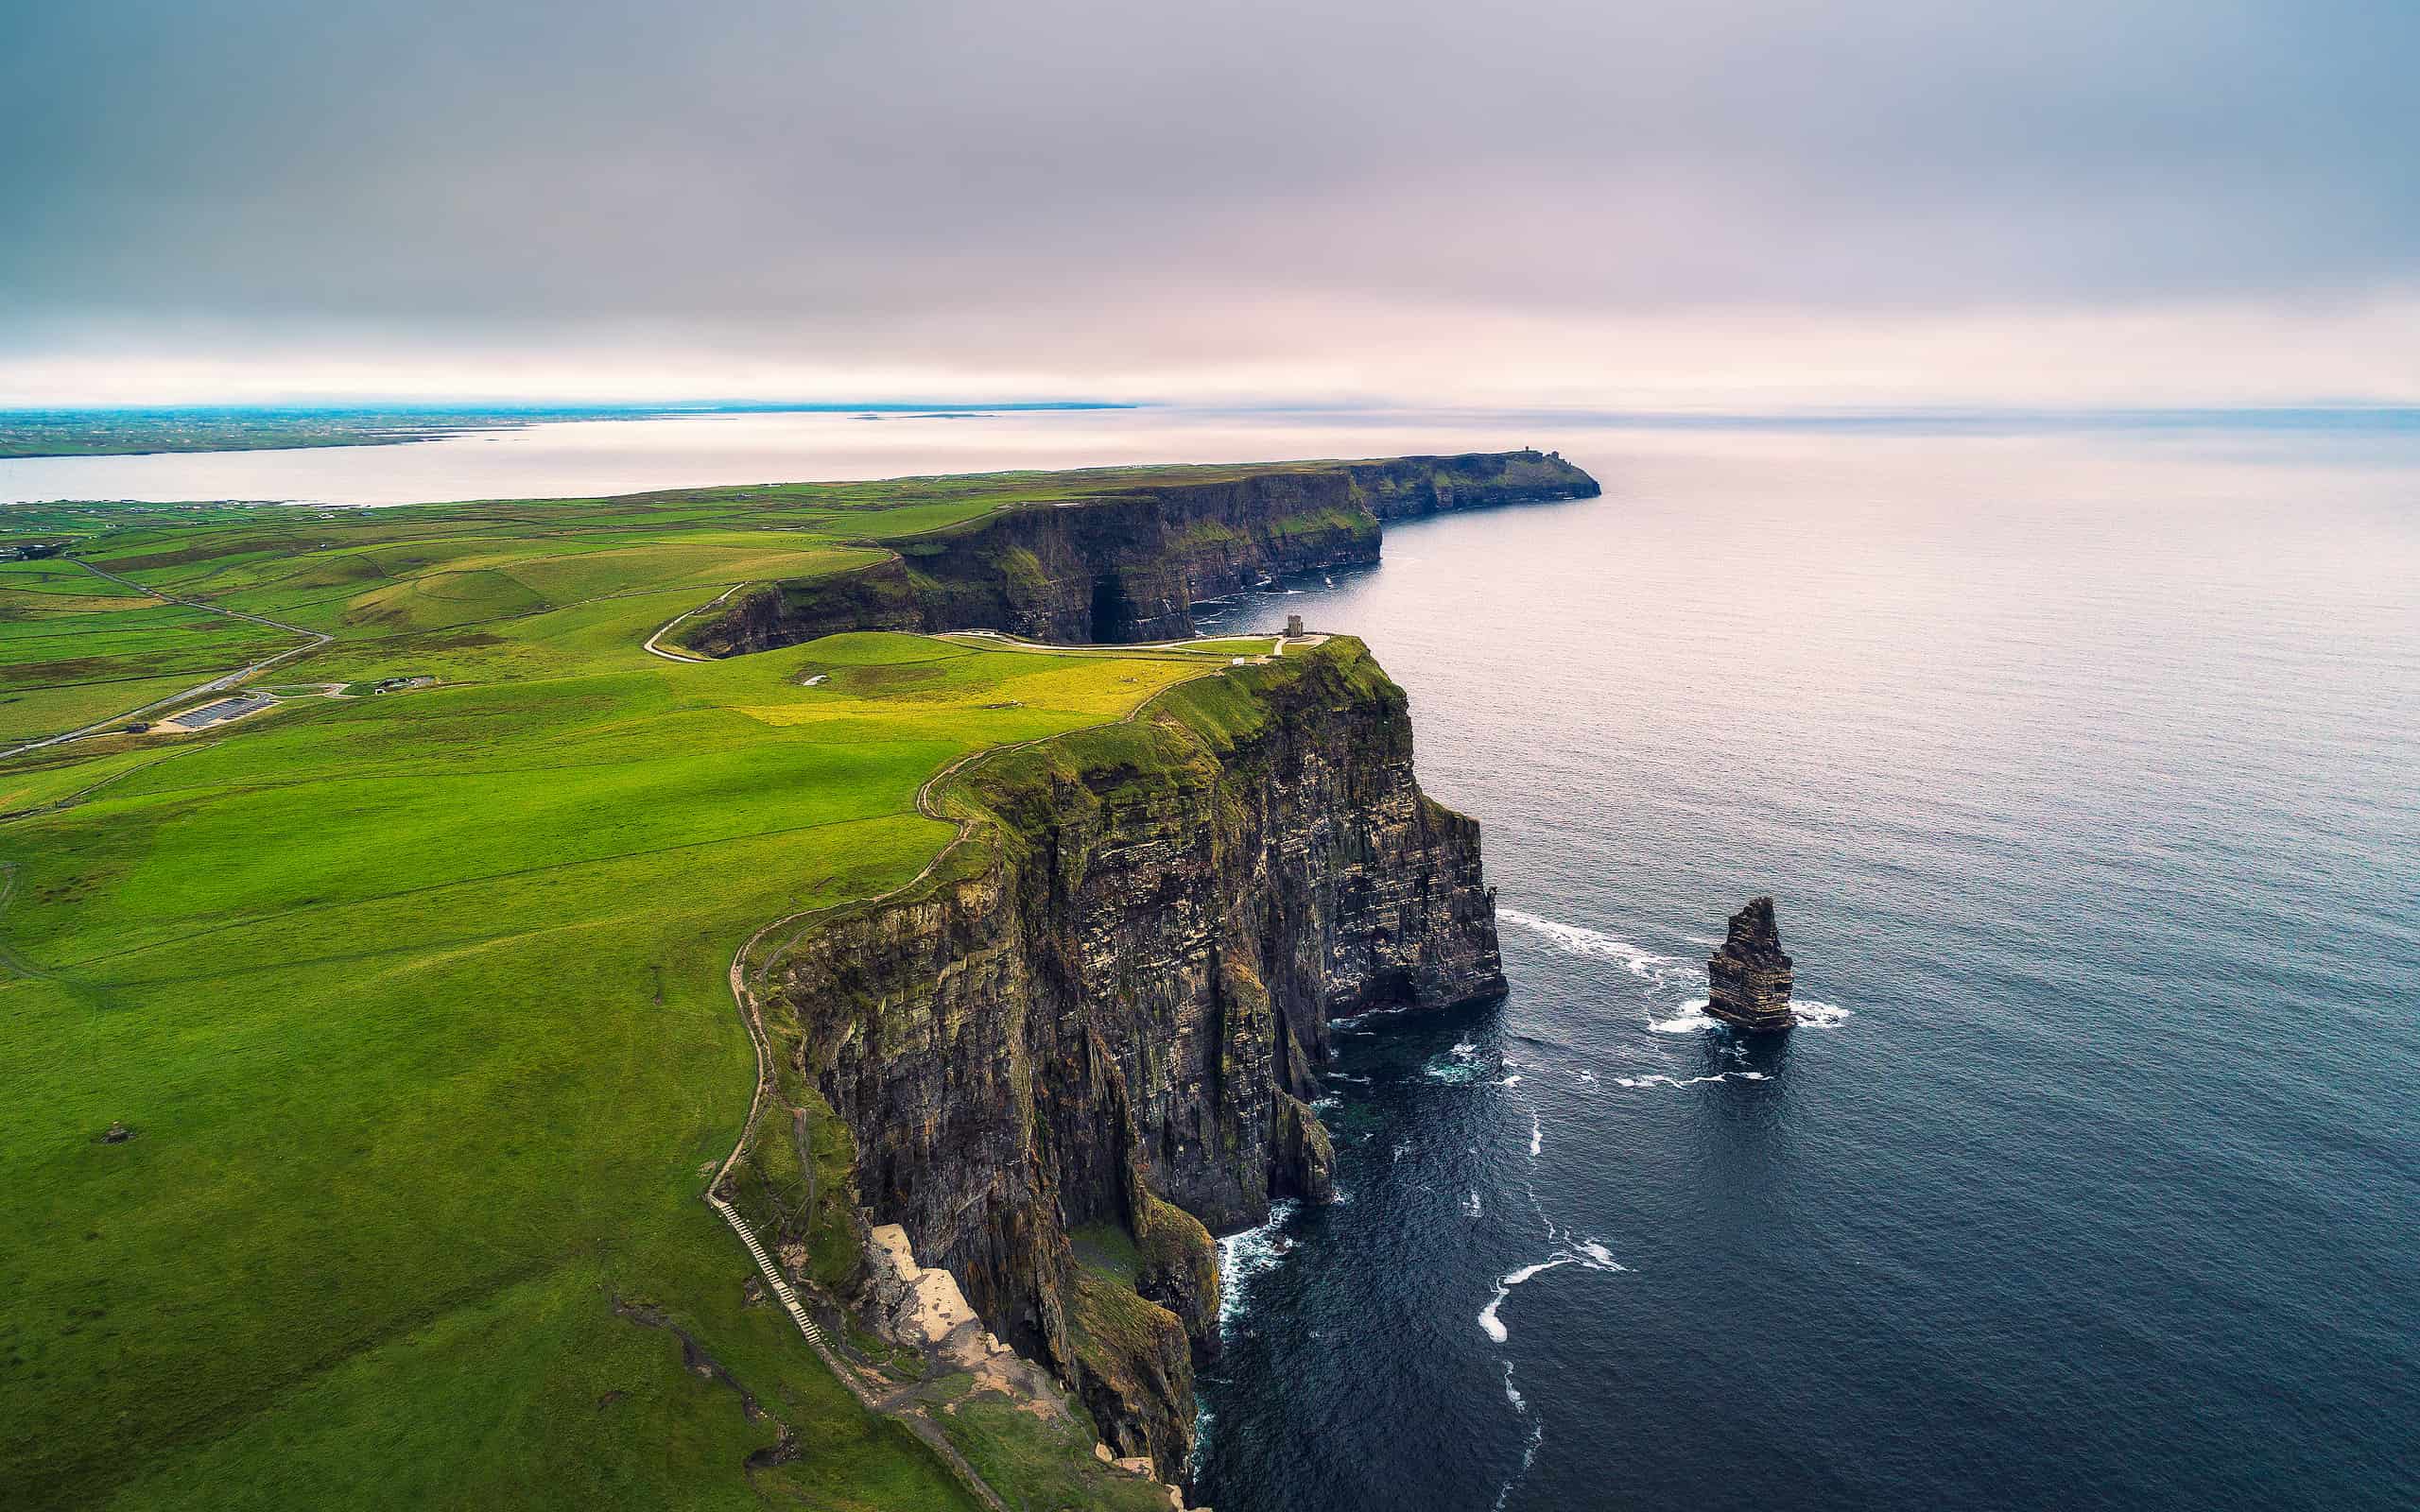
column 1748, row 979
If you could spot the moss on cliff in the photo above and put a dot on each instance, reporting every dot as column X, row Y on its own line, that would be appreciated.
column 1176, row 1264
column 1132, row 1366
column 522, row 887
column 1107, row 1006
column 1043, row 1461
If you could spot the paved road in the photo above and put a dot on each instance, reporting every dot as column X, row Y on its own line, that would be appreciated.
column 219, row 684
column 665, row 628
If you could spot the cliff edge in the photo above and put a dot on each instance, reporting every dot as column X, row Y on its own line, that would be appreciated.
column 1127, row 565
column 1106, row 1011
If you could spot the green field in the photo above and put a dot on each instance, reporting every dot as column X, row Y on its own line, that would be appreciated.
column 416, row 1007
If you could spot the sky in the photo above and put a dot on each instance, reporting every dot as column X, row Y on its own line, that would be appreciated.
column 1726, row 204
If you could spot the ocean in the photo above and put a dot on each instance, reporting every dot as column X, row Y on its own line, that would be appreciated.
column 2079, row 753
column 2085, row 771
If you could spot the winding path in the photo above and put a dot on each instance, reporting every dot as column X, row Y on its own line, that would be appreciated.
column 663, row 630
column 752, row 1016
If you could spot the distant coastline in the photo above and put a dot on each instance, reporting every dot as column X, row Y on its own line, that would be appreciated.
column 142, row 432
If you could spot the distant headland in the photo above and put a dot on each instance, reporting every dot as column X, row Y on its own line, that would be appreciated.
column 112, row 431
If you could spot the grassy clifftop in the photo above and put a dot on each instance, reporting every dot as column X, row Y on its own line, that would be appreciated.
column 413, row 1002
column 1121, row 557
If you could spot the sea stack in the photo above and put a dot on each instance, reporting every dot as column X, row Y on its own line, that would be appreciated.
column 1748, row 980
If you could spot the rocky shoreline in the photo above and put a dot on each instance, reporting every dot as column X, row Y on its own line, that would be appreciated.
column 1103, row 1017
column 1127, row 565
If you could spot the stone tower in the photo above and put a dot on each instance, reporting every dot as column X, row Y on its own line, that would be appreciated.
column 1748, row 980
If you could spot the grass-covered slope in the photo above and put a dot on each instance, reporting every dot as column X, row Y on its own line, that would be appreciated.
column 415, row 1003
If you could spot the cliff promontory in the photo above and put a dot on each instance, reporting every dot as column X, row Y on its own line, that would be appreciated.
column 1107, row 1009
column 1127, row 563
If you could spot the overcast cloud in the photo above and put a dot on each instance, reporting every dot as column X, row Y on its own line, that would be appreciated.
column 1613, row 202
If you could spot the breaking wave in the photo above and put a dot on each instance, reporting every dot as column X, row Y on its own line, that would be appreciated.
column 1246, row 1255
column 1692, row 1018
column 1690, row 1081
column 1458, row 1065
column 1588, row 1254
column 1641, row 963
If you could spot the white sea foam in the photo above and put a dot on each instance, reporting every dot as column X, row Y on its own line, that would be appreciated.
column 1818, row 1015
column 1588, row 1254
column 1470, row 1206
column 1401, row 1148
column 1528, row 1458
column 1578, row 941
column 1510, row 1394
column 1690, row 1081
column 1692, row 1018
column 1537, row 1135
column 1514, row 1080
column 1487, row 1319
column 1458, row 1065
column 1244, row 1256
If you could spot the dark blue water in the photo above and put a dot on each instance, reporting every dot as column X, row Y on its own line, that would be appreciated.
column 2086, row 772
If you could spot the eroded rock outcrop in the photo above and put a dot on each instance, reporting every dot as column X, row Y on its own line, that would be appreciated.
column 1128, row 564
column 1749, row 978
column 1111, row 1007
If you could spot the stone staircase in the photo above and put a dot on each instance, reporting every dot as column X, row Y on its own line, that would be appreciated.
column 772, row 1273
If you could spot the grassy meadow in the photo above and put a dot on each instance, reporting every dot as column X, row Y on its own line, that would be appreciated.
column 415, row 1003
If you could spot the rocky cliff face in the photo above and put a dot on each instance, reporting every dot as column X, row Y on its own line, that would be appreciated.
column 1748, row 980
column 1127, row 566
column 1110, row 1006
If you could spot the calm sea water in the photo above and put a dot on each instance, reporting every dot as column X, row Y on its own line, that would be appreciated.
column 587, row 458
column 2083, row 764
column 2086, row 772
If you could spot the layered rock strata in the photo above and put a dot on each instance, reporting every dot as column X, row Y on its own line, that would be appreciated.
column 1748, row 980
column 1128, row 564
column 1107, row 1008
